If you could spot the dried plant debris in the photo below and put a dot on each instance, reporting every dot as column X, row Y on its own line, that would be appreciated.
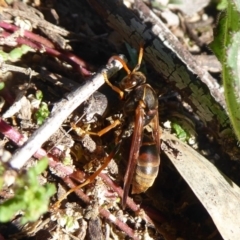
column 55, row 104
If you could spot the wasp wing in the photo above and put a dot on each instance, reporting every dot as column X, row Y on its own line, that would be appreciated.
column 156, row 130
column 134, row 151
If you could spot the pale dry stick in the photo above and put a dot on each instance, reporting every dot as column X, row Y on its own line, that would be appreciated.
column 12, row 68
column 62, row 109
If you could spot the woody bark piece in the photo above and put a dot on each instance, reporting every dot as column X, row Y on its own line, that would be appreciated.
column 177, row 66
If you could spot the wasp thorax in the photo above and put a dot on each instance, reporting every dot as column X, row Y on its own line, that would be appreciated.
column 132, row 80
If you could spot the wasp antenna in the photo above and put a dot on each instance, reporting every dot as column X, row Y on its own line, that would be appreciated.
column 140, row 57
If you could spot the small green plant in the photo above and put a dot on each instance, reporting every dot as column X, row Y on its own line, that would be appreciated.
column 39, row 95
column 222, row 4
column 184, row 131
column 2, row 85
column 180, row 132
column 227, row 48
column 30, row 197
column 42, row 113
column 15, row 54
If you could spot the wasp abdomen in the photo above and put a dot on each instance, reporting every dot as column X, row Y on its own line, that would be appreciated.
column 147, row 167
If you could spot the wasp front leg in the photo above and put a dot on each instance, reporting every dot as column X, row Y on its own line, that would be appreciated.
column 114, row 88
column 82, row 132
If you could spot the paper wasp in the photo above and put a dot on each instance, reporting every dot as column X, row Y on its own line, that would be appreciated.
column 140, row 109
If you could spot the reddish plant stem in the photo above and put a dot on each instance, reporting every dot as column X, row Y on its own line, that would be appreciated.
column 130, row 203
column 11, row 133
column 65, row 173
column 150, row 212
column 1, row 237
column 41, row 44
column 27, row 34
column 79, row 192
column 16, row 137
column 104, row 212
column 130, row 232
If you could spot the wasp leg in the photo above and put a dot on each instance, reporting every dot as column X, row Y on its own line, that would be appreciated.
column 114, row 88
column 91, row 178
column 81, row 132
